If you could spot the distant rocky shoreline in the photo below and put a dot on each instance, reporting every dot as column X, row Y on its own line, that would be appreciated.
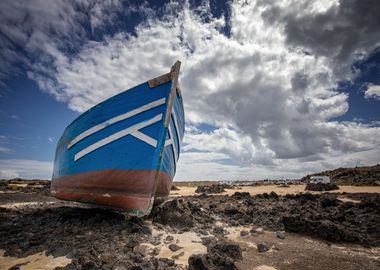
column 358, row 176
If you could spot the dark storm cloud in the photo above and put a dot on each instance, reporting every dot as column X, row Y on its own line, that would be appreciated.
column 343, row 32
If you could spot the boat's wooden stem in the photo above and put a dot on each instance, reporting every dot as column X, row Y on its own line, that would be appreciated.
column 174, row 73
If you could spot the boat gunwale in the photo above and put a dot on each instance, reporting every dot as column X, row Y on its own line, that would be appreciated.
column 102, row 102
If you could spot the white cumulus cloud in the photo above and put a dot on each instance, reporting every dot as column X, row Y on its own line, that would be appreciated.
column 263, row 77
column 24, row 168
column 373, row 91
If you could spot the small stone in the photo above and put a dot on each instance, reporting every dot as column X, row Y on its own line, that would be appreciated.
column 280, row 234
column 176, row 257
column 89, row 266
column 141, row 249
column 257, row 230
column 244, row 233
column 231, row 210
column 227, row 248
column 234, row 222
column 218, row 230
column 137, row 258
column 132, row 242
column 155, row 251
column 155, row 241
column 169, row 238
column 262, row 247
column 203, row 232
column 147, row 265
column 206, row 241
column 184, row 229
column 174, row 247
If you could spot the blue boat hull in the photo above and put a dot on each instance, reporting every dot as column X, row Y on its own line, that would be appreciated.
column 122, row 153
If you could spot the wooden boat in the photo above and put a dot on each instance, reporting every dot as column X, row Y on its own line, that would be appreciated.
column 122, row 153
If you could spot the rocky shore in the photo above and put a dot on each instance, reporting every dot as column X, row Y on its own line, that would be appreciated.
column 203, row 231
column 358, row 176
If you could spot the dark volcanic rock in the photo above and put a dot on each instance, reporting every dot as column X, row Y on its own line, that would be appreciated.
column 212, row 189
column 198, row 262
column 220, row 255
column 328, row 202
column 280, row 234
column 227, row 248
column 175, row 213
column 241, row 195
column 231, row 210
column 244, row 233
column 368, row 176
column 321, row 186
column 262, row 247
column 218, row 230
column 174, row 247
column 174, row 188
column 93, row 238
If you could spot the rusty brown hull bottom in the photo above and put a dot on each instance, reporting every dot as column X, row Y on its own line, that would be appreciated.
column 132, row 191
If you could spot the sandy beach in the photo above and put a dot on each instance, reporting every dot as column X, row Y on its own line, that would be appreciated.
column 292, row 189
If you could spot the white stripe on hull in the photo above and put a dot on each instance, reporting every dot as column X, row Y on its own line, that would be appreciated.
column 119, row 135
column 145, row 138
column 115, row 120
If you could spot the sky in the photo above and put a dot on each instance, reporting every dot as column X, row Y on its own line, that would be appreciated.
column 271, row 89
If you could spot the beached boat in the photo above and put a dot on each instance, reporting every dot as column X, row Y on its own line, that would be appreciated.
column 122, row 153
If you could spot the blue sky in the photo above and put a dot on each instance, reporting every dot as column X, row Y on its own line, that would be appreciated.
column 271, row 90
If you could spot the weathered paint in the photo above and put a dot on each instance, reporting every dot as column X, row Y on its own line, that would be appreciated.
column 159, row 80
column 126, row 133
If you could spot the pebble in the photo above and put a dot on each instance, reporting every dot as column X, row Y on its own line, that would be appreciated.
column 155, row 241
column 218, row 230
column 280, row 234
column 244, row 233
column 257, row 230
column 262, row 247
column 174, row 247
column 168, row 239
column 155, row 251
column 203, row 232
column 176, row 257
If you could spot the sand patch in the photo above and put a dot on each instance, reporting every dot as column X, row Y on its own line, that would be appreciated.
column 293, row 189
column 190, row 242
column 17, row 185
column 22, row 204
column 32, row 262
